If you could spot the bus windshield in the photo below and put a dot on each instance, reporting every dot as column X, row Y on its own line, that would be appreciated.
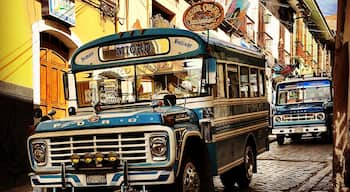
column 142, row 82
column 304, row 92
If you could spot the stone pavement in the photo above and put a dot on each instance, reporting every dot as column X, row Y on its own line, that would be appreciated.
column 296, row 167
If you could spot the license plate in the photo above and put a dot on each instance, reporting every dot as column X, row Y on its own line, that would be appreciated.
column 299, row 130
column 96, row 179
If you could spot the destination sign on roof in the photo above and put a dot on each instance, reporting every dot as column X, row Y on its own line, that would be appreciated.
column 203, row 16
column 136, row 50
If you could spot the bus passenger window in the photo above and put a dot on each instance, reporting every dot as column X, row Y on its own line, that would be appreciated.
column 262, row 83
column 221, row 85
column 244, row 82
column 254, row 83
column 232, row 73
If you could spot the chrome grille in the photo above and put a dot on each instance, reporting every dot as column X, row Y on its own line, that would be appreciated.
column 299, row 117
column 128, row 146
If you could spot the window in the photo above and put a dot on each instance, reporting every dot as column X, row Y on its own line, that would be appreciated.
column 244, row 82
column 254, row 92
column 161, row 16
column 262, row 83
column 221, row 89
column 117, row 86
column 250, row 29
column 233, row 88
column 304, row 92
column 268, row 42
column 181, row 78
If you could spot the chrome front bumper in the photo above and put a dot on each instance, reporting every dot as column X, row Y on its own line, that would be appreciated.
column 282, row 130
column 135, row 178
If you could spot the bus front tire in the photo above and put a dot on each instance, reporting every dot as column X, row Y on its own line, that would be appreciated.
column 193, row 177
column 245, row 173
column 280, row 139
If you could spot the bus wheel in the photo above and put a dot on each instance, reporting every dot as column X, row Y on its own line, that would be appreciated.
column 229, row 179
column 189, row 176
column 246, row 169
column 194, row 176
column 280, row 139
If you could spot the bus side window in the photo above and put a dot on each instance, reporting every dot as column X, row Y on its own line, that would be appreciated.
column 262, row 83
column 232, row 73
column 221, row 84
column 254, row 92
column 244, row 82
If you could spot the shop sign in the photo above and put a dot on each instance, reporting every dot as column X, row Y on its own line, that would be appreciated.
column 63, row 10
column 203, row 16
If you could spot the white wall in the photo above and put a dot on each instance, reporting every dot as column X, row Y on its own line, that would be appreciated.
column 253, row 13
column 287, row 40
column 273, row 29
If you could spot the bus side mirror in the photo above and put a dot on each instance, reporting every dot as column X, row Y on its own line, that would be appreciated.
column 169, row 100
column 66, row 86
column 211, row 71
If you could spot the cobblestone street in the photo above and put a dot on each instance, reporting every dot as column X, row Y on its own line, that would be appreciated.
column 303, row 166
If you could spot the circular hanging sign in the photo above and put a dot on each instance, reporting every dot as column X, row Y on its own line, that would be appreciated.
column 203, row 16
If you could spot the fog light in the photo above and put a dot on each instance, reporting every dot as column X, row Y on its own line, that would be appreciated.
column 99, row 157
column 75, row 158
column 112, row 156
column 88, row 158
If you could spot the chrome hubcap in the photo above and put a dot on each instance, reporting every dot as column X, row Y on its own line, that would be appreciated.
column 191, row 181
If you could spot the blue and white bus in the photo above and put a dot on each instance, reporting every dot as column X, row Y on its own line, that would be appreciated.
column 156, row 108
column 303, row 106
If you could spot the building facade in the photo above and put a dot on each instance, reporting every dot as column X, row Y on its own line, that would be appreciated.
column 37, row 40
column 341, row 144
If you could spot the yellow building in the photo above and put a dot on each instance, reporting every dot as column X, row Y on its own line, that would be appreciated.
column 36, row 40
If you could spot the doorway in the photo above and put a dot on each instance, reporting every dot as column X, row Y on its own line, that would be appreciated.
column 53, row 63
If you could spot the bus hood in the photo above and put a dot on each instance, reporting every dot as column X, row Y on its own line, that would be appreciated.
column 299, row 108
column 102, row 120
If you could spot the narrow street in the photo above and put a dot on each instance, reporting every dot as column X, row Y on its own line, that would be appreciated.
column 302, row 166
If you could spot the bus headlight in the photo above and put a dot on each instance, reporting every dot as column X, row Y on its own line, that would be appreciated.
column 320, row 116
column 39, row 151
column 278, row 118
column 159, row 147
